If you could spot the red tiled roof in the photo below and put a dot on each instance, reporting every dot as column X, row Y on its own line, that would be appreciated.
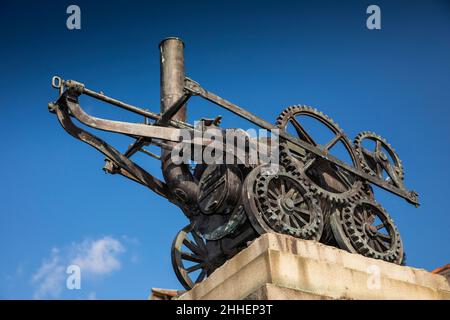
column 441, row 269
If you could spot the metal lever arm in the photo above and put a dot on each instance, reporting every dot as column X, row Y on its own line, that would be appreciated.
column 195, row 89
column 136, row 173
column 79, row 88
column 133, row 129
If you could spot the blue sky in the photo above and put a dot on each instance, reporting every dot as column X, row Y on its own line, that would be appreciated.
column 56, row 204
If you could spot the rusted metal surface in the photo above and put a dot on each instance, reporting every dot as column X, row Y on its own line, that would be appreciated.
column 132, row 129
column 111, row 153
column 314, row 194
column 196, row 89
column 177, row 176
column 79, row 88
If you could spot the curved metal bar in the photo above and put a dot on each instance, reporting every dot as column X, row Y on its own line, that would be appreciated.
column 136, row 129
column 110, row 152
column 70, row 99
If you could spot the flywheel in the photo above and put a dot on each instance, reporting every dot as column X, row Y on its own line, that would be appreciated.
column 326, row 179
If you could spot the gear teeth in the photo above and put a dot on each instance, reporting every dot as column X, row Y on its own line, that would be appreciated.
column 294, row 164
column 346, row 201
column 312, row 230
column 360, row 240
column 365, row 166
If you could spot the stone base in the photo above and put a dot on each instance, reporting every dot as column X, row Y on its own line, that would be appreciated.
column 277, row 267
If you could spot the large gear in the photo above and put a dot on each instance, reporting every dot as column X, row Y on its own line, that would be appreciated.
column 366, row 228
column 376, row 161
column 282, row 202
column 326, row 179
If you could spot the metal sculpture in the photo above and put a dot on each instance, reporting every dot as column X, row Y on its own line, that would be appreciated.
column 313, row 195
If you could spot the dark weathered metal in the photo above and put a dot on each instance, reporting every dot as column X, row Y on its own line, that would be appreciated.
column 133, row 129
column 178, row 177
column 283, row 203
column 173, row 111
column 196, row 89
column 311, row 194
column 80, row 88
column 190, row 257
column 329, row 182
column 373, row 233
column 375, row 162
column 137, row 145
column 149, row 153
column 111, row 153
column 172, row 75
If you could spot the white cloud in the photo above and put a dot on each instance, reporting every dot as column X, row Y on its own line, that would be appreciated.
column 98, row 257
column 94, row 257
column 49, row 278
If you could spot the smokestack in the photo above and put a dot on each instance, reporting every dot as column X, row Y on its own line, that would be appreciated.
column 172, row 74
column 178, row 177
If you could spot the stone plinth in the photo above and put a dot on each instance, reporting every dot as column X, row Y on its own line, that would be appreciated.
column 281, row 267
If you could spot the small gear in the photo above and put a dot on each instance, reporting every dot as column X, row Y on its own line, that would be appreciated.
column 376, row 161
column 366, row 228
column 327, row 180
column 282, row 202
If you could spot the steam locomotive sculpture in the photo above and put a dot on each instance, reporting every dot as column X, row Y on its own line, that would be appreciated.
column 312, row 194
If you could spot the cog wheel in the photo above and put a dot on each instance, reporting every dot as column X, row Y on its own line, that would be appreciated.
column 281, row 202
column 366, row 228
column 325, row 178
column 377, row 162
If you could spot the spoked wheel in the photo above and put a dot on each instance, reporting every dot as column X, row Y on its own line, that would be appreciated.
column 189, row 258
column 281, row 202
column 327, row 180
column 366, row 228
column 379, row 159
